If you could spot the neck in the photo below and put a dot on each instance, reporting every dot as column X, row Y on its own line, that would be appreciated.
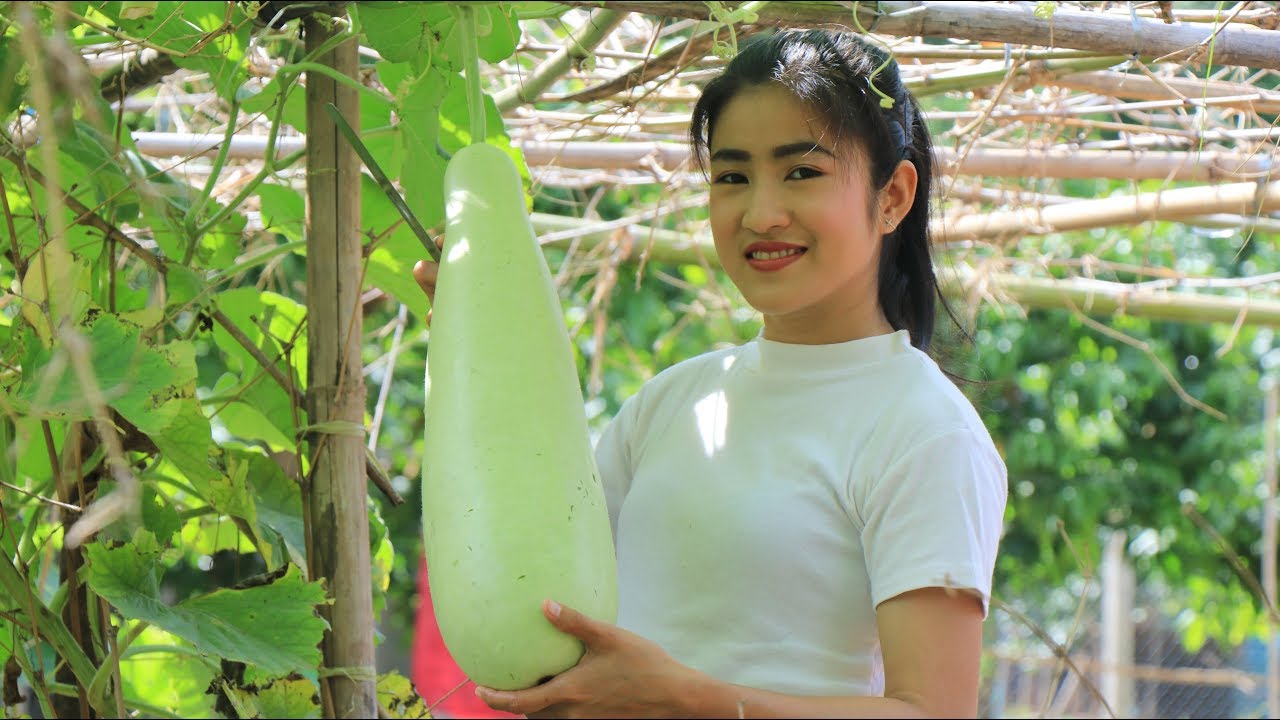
column 799, row 329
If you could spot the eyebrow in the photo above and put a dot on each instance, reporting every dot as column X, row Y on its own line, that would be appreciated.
column 782, row 151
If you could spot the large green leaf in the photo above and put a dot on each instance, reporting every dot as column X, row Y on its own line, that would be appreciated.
column 422, row 175
column 284, row 210
column 417, row 33
column 187, row 443
column 161, row 670
column 390, row 265
column 145, row 384
column 499, row 32
column 271, row 321
column 248, row 423
column 279, row 503
column 273, row 626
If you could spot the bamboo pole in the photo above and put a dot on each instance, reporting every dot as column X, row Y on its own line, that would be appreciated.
column 1065, row 28
column 338, row 514
column 1269, row 521
column 577, row 47
column 1174, row 204
column 958, row 281
column 994, row 162
column 1141, row 87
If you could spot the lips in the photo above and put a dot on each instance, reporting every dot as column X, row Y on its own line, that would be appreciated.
column 772, row 256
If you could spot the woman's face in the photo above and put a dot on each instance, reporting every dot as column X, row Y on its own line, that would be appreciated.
column 792, row 222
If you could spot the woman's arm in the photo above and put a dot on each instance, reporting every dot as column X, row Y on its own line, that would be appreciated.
column 931, row 640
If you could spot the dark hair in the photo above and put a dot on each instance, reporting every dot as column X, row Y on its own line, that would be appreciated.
column 833, row 72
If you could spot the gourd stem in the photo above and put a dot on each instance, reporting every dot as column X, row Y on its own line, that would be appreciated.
column 471, row 59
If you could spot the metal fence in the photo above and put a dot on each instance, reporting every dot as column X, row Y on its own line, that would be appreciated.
column 1025, row 677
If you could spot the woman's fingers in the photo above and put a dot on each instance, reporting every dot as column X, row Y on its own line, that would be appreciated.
column 425, row 273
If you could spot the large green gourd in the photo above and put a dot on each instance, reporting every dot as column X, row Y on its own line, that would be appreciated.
column 512, row 506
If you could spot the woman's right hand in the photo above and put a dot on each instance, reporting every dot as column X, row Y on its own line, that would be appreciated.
column 425, row 272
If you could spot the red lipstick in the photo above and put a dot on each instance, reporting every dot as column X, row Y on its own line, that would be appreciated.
column 772, row 256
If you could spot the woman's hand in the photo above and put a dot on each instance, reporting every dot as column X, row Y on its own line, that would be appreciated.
column 621, row 675
column 425, row 273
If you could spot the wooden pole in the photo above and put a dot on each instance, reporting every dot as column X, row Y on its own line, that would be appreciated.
column 1117, row 626
column 339, row 525
column 1269, row 521
column 1100, row 32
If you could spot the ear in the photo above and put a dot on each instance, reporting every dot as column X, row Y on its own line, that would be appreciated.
column 897, row 196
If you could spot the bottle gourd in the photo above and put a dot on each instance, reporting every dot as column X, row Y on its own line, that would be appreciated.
column 512, row 506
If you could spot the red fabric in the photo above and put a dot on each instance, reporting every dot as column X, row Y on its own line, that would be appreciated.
column 434, row 672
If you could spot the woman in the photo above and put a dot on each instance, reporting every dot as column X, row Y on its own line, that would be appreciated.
column 806, row 525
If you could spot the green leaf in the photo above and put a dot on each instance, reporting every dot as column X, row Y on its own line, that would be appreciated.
column 271, row 321
column 283, row 210
column 398, row 698
column 273, row 626
column 455, row 119
column 196, row 31
column 163, row 671
column 143, row 383
column 186, row 443
column 289, row 698
column 158, row 516
column 14, row 77
column 503, row 33
column 381, row 555
column 279, row 503
column 100, row 161
column 414, row 33
column 138, row 9
column 182, row 284
column 422, row 176
column 248, row 423
column 219, row 247
column 391, row 262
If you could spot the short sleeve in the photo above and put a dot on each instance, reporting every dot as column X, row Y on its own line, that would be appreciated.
column 934, row 518
column 614, row 459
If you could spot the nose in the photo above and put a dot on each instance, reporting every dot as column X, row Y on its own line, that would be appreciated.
column 766, row 210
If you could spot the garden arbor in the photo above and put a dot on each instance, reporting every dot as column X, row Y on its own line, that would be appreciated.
column 192, row 250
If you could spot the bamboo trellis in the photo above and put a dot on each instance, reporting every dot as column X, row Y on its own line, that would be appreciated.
column 1022, row 106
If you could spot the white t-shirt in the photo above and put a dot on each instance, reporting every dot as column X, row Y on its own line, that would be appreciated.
column 766, row 498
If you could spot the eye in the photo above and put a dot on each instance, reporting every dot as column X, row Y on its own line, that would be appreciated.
column 804, row 173
column 731, row 178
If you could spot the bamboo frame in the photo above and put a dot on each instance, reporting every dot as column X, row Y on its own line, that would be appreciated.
column 1066, row 28
column 337, row 512
column 993, row 162
column 959, row 281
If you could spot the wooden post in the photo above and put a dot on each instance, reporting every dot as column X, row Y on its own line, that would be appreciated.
column 1117, row 627
column 1269, row 547
column 339, row 520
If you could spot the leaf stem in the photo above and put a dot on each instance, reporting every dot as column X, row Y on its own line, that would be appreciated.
column 471, row 61
column 201, row 200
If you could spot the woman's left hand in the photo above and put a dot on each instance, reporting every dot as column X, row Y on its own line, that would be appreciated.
column 621, row 675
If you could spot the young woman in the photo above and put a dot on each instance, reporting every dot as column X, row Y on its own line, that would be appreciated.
column 806, row 525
